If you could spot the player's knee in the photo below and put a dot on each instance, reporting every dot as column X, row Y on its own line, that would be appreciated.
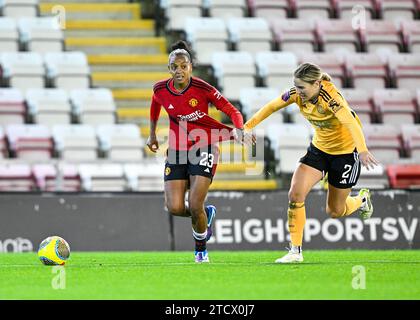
column 176, row 209
column 334, row 212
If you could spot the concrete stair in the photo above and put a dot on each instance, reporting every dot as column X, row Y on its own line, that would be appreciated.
column 122, row 50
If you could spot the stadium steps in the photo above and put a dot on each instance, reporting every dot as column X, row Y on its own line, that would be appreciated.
column 243, row 185
column 123, row 53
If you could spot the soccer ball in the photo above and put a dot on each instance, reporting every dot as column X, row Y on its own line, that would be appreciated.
column 54, row 251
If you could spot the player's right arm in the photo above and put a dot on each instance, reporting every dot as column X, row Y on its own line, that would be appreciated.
column 152, row 141
column 286, row 99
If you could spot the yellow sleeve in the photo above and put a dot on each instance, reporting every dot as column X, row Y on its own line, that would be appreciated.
column 286, row 99
column 338, row 105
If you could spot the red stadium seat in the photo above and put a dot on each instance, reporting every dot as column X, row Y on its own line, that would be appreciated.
column 48, row 179
column 12, row 106
column 384, row 142
column 397, row 9
column 366, row 70
column 395, row 106
column 330, row 63
column 270, row 9
column 30, row 142
column 404, row 176
column 16, row 177
column 411, row 35
column 405, row 70
column 294, row 35
column 337, row 34
column 360, row 100
column 347, row 9
column 381, row 34
column 308, row 9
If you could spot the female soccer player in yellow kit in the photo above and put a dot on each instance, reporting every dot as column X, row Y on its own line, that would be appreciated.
column 337, row 148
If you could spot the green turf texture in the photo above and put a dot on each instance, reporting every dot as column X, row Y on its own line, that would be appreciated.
column 230, row 275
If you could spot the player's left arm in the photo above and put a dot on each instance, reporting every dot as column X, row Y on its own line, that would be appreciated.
column 338, row 105
column 222, row 104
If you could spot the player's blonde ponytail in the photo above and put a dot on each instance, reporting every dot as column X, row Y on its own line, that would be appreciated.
column 310, row 73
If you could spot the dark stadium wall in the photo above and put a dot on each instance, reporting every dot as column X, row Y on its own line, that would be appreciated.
column 245, row 221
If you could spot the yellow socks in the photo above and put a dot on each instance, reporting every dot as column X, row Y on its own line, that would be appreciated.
column 352, row 204
column 296, row 220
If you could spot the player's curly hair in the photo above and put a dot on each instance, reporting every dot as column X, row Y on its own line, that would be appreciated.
column 181, row 48
column 310, row 72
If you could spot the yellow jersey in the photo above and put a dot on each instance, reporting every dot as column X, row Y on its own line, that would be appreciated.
column 338, row 129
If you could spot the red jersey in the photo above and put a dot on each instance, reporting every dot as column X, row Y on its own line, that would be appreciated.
column 188, row 113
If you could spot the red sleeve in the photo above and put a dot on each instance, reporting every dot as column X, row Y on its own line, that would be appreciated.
column 155, row 108
column 222, row 104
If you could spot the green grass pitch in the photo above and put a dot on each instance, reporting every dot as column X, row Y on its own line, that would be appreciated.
column 230, row 276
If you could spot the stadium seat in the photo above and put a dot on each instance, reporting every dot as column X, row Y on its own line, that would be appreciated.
column 405, row 70
column 41, row 34
column 249, row 34
column 366, row 70
column 379, row 35
column 48, row 106
column 337, row 34
column 68, row 70
column 397, row 9
column 276, row 68
column 308, row 9
column 145, row 176
column 289, row 141
column 375, row 178
column 93, row 106
column 226, row 9
column 383, row 140
column 294, row 35
column 411, row 35
column 102, row 177
column 16, row 177
column 9, row 36
column 206, row 35
column 270, row 9
column 360, row 100
column 253, row 99
column 331, row 63
column 120, row 142
column 76, row 143
column 23, row 70
column 3, row 144
column 19, row 8
column 57, row 178
column 12, row 106
column 177, row 10
column 233, row 71
column 30, row 142
column 348, row 9
column 404, row 176
column 411, row 140
column 395, row 106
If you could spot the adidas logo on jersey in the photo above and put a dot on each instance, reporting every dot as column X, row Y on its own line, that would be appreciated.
column 344, row 181
column 171, row 106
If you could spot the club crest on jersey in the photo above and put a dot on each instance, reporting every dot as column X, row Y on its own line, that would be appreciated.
column 320, row 109
column 193, row 102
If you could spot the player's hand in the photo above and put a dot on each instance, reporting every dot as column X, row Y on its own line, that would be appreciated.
column 249, row 138
column 152, row 143
column 368, row 160
column 238, row 135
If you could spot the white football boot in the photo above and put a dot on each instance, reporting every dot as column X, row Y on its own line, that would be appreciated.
column 293, row 256
column 366, row 209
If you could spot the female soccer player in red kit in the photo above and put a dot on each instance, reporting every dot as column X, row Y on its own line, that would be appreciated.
column 193, row 153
